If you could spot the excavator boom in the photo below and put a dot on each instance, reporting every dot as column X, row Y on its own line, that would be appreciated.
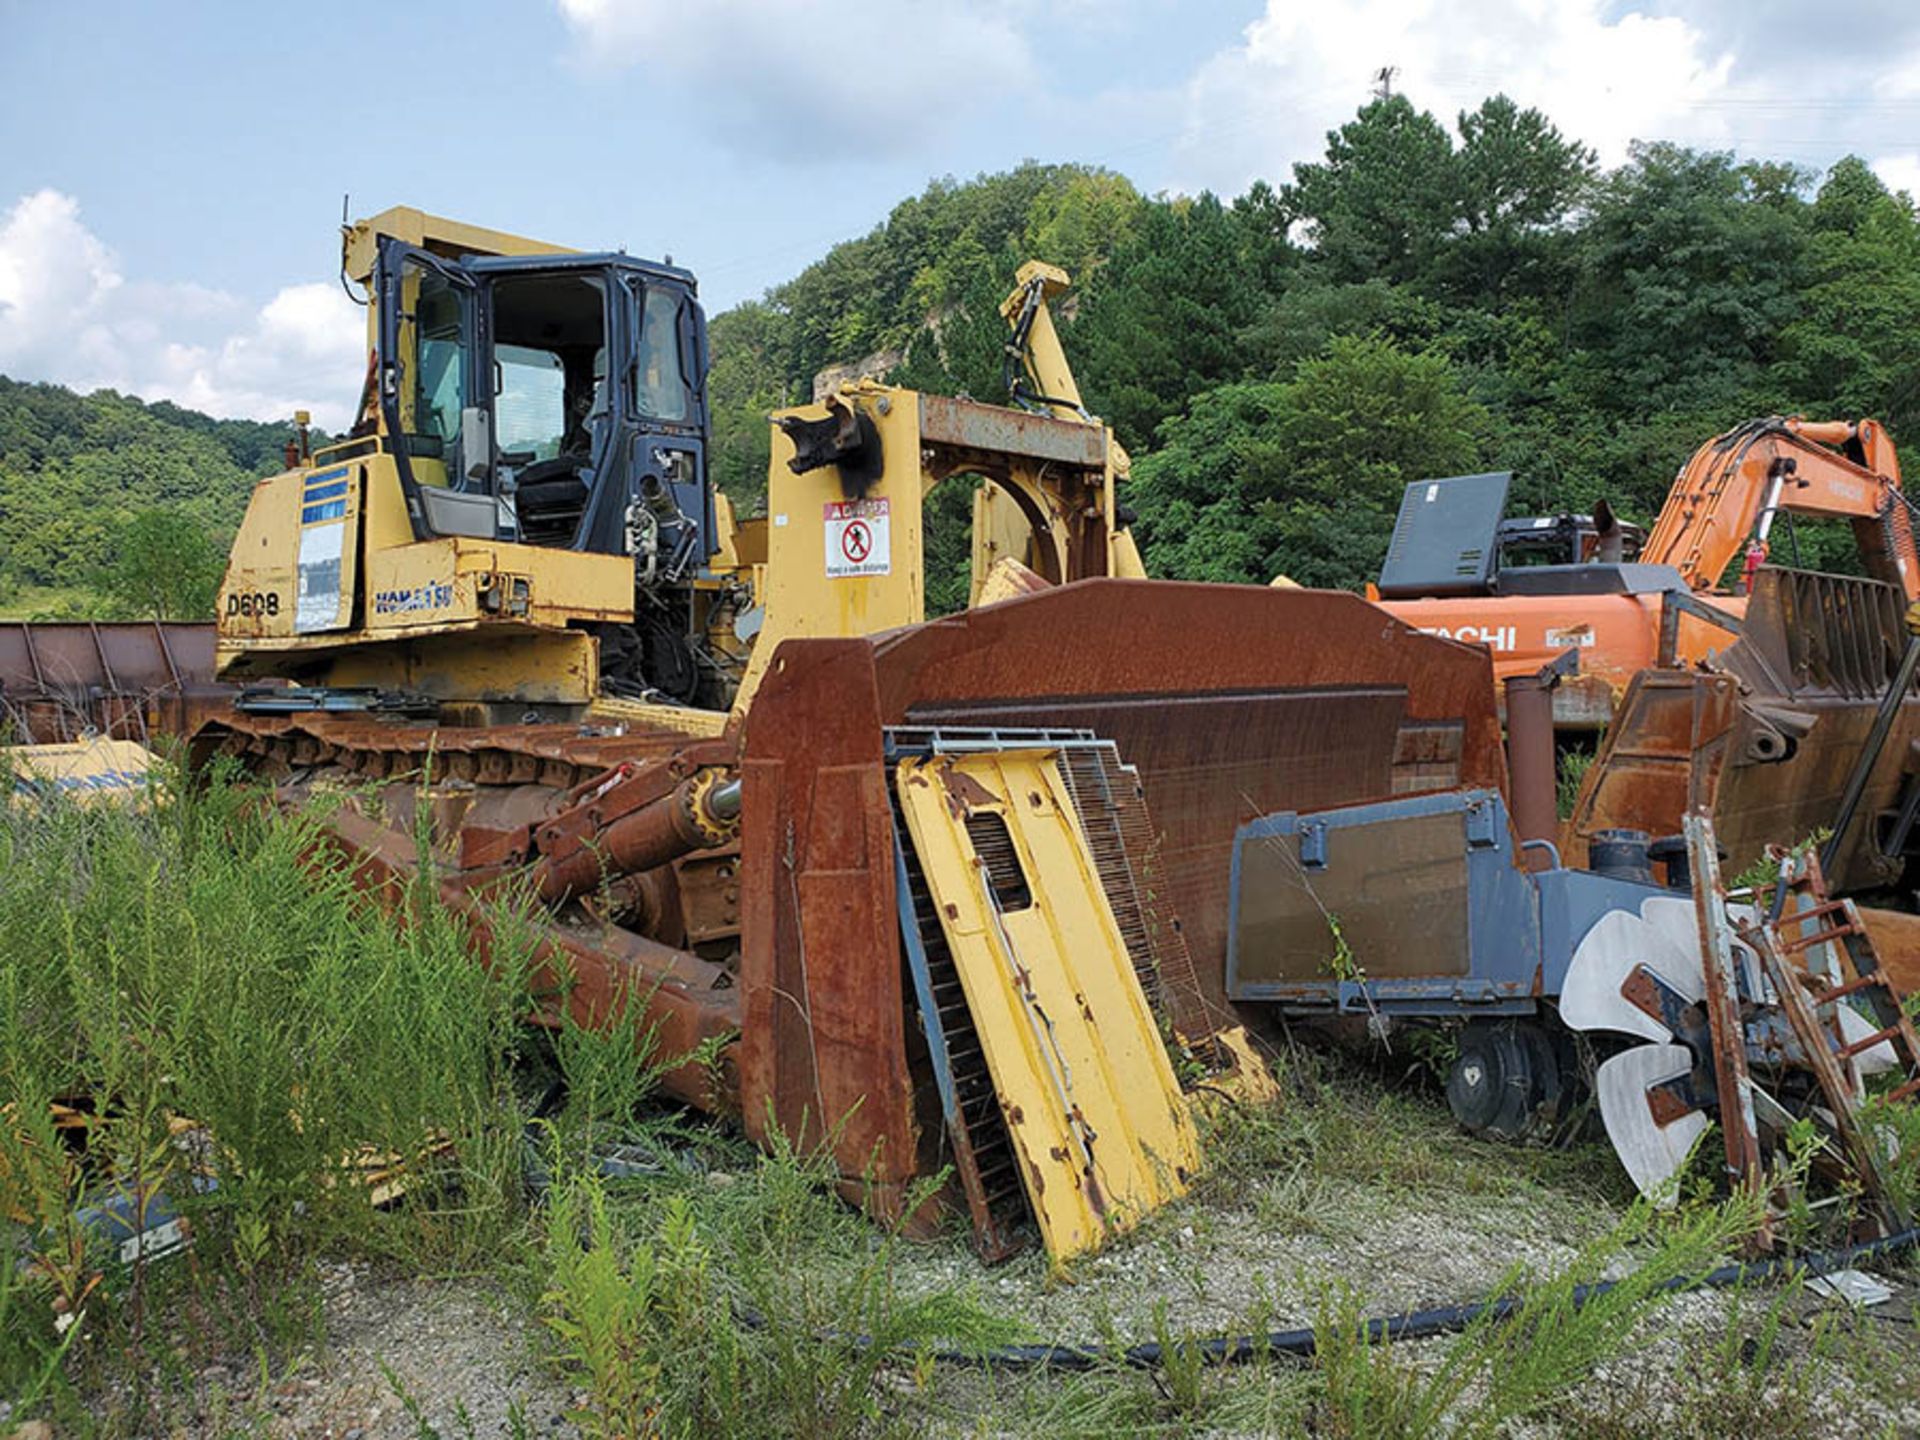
column 1728, row 494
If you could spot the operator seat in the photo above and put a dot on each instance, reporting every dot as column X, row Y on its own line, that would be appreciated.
column 552, row 494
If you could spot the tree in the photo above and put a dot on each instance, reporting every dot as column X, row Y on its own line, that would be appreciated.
column 1849, row 349
column 1691, row 268
column 1164, row 319
column 1518, row 181
column 1384, row 201
column 744, row 382
column 165, row 566
column 1303, row 478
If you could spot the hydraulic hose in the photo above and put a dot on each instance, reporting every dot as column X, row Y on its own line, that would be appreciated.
column 1410, row 1325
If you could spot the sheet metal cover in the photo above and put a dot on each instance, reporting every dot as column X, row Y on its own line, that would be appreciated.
column 1103, row 1133
column 1444, row 536
column 1397, row 891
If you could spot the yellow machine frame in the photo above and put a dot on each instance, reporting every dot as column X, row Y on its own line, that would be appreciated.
column 328, row 583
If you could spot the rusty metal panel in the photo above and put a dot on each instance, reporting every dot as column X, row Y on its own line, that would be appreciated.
column 995, row 429
column 1661, row 757
column 1765, row 742
column 1395, row 892
column 127, row 679
column 824, row 1047
column 1833, row 635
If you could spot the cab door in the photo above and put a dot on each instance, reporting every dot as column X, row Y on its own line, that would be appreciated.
column 436, row 402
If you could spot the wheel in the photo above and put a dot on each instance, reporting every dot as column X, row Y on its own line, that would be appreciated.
column 1505, row 1081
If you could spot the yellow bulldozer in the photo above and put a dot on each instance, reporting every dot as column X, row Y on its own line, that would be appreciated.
column 929, row 890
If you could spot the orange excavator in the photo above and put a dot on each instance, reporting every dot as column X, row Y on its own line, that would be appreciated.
column 1450, row 569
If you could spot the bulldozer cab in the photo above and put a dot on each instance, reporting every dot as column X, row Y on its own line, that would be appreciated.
column 553, row 401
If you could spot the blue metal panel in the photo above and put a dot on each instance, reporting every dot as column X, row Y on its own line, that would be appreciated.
column 1571, row 902
column 923, row 984
column 1503, row 912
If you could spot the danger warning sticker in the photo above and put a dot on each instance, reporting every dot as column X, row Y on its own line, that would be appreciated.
column 859, row 539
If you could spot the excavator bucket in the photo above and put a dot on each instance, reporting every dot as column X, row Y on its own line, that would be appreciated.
column 1766, row 734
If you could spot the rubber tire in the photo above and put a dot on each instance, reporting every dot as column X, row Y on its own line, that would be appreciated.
column 1497, row 1086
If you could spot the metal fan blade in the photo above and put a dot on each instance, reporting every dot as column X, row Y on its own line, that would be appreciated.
column 1650, row 1132
column 1605, row 960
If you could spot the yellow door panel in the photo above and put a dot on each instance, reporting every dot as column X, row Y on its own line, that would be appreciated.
column 1090, row 1099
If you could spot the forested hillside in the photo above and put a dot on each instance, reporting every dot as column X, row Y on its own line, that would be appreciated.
column 1424, row 299
column 112, row 507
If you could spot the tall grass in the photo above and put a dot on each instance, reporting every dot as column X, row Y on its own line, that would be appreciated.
column 757, row 1307
column 234, row 1032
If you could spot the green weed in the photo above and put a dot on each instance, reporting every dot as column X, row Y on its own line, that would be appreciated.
column 759, row 1307
column 231, row 1031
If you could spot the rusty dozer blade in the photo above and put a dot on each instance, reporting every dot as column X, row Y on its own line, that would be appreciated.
column 126, row 680
column 771, row 941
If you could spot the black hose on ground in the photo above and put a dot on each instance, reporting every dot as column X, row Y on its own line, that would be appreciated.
column 1412, row 1325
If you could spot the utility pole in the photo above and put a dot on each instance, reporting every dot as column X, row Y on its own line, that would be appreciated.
column 1383, row 81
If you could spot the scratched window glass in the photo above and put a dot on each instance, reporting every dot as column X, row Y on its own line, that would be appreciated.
column 531, row 408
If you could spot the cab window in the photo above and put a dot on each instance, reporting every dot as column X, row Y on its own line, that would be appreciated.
column 662, row 391
column 531, row 409
column 440, row 371
column 549, row 351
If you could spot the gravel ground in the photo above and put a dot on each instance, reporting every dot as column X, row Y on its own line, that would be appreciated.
column 403, row 1358
column 1209, row 1269
column 418, row 1358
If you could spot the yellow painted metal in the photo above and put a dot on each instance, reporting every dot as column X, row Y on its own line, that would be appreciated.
column 1103, row 1132
column 92, row 772
column 517, row 600
column 1244, row 1076
column 1045, row 358
column 612, row 709
column 433, row 233
column 801, row 594
column 495, row 661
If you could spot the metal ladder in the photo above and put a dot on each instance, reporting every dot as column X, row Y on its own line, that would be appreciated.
column 1806, row 925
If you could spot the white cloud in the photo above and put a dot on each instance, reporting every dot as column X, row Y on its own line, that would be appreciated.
column 1900, row 172
column 811, row 79
column 1302, row 69
column 68, row 314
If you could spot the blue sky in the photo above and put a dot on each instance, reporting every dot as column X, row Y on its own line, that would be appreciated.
column 171, row 174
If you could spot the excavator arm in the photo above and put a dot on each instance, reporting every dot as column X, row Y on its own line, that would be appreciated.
column 1729, row 492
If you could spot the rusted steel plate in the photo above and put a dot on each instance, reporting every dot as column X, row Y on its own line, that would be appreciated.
column 1896, row 940
column 131, row 680
column 824, row 1046
column 1766, row 742
column 603, row 976
column 970, row 425
column 1662, row 753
